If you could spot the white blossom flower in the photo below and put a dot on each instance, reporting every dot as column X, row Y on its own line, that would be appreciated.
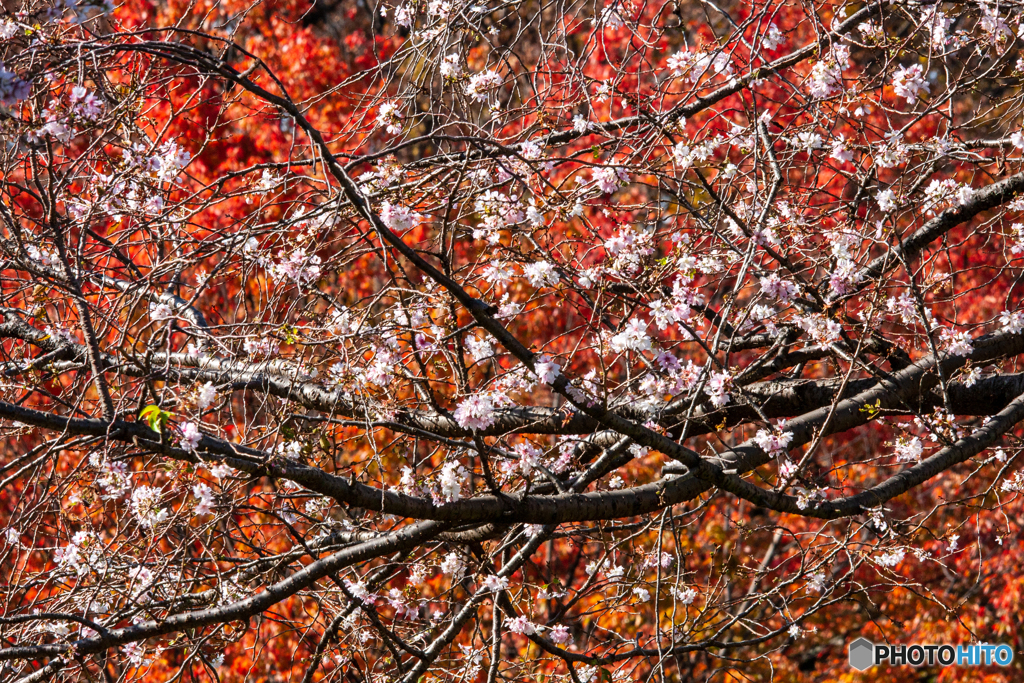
column 220, row 470
column 1012, row 322
column 451, row 66
column 479, row 349
column 702, row 63
column 13, row 538
column 160, row 312
column 530, row 150
column 494, row 583
column 904, row 306
column 826, row 77
column 993, row 24
column 686, row 596
column 405, row 15
column 611, row 18
column 957, row 343
column 541, row 274
column 168, row 163
column 480, row 84
column 114, row 481
column 681, row 61
column 1015, row 484
column 773, row 443
column 886, row 200
column 399, row 218
column 522, row 625
column 134, row 652
column 844, row 278
column 718, row 387
column 475, row 412
column 251, row 248
column 145, row 505
column 839, row 151
column 190, row 436
column 773, row 38
column 937, row 24
column 947, row 191
column 783, row 290
column 908, row 450
column 85, row 104
column 497, row 212
column 632, row 337
column 8, row 29
column 807, row 141
column 908, row 81
column 360, row 592
column 298, row 265
column 205, row 496
column 389, row 117
column 453, row 475
column 560, row 635
column 57, row 129
column 546, row 369
column 610, row 179
column 206, row 395
column 891, row 558
column 823, row 330
column 971, row 377
column 290, row 449
column 498, row 272
column 43, row 256
column 453, row 565
column 439, row 9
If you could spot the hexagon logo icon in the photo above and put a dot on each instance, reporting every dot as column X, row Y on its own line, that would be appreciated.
column 862, row 654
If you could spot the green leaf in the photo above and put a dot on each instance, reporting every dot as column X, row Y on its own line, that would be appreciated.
column 155, row 418
column 872, row 410
column 291, row 334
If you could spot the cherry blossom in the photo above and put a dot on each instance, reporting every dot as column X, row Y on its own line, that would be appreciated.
column 909, row 82
column 455, row 300
column 522, row 625
column 494, row 583
column 399, row 218
column 632, row 337
column 909, row 450
column 541, row 274
column 190, row 436
column 718, row 388
column 773, row 443
column 389, row 117
column 145, row 504
column 610, row 179
column 480, row 84
column 204, row 496
column 783, row 290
